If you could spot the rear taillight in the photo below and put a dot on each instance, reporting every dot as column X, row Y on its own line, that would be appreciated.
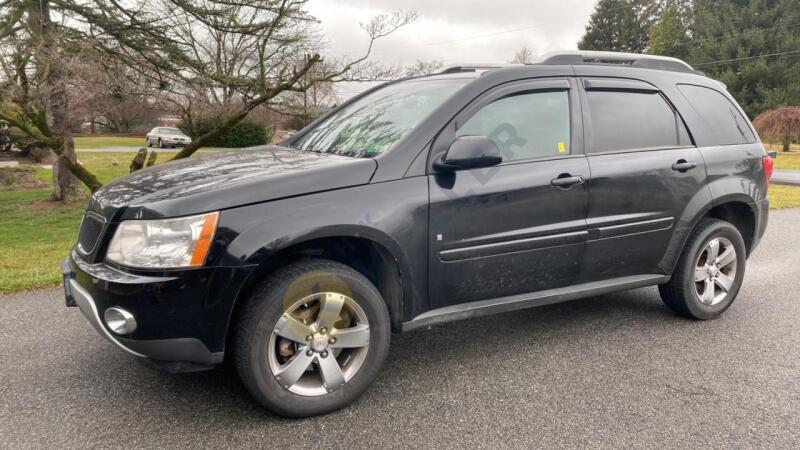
column 768, row 165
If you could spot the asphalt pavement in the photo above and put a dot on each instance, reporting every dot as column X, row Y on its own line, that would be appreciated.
column 612, row 371
column 785, row 176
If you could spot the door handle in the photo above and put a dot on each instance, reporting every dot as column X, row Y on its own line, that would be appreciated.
column 565, row 180
column 682, row 165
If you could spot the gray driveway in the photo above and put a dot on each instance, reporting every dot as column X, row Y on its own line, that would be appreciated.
column 783, row 176
column 618, row 370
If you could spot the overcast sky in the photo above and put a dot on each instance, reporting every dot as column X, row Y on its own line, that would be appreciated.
column 456, row 31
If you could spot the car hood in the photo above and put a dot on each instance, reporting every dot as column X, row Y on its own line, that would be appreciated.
column 226, row 180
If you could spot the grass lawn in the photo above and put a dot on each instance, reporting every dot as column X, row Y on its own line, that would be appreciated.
column 84, row 142
column 35, row 234
column 105, row 142
column 783, row 196
column 109, row 166
column 786, row 160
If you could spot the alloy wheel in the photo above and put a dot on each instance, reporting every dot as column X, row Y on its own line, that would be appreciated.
column 715, row 271
column 319, row 344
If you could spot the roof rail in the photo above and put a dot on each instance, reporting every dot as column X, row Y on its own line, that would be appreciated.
column 574, row 57
column 455, row 68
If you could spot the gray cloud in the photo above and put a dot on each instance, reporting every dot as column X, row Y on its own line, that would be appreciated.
column 456, row 30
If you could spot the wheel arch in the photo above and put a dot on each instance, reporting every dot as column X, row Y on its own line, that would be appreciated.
column 737, row 209
column 368, row 251
column 739, row 212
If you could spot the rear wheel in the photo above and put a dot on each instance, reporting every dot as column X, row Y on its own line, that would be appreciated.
column 312, row 338
column 709, row 273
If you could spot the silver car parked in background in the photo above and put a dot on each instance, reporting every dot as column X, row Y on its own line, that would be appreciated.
column 167, row 137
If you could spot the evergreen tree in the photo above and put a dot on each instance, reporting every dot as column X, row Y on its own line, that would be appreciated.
column 618, row 25
column 735, row 29
column 669, row 36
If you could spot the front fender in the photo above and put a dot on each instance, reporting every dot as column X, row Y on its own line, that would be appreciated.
column 393, row 215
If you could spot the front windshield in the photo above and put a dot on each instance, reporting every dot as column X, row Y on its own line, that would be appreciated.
column 172, row 131
column 374, row 123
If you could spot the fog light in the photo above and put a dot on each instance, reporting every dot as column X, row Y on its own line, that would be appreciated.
column 120, row 321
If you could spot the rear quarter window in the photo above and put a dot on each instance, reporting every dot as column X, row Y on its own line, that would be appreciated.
column 632, row 120
column 726, row 125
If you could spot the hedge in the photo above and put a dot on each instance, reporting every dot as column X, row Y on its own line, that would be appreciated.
column 244, row 134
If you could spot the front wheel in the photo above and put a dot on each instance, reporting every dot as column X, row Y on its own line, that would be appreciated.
column 312, row 338
column 709, row 273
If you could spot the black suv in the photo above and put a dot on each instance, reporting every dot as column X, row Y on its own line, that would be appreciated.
column 473, row 191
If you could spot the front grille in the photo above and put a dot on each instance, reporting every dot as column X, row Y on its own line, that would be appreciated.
column 91, row 228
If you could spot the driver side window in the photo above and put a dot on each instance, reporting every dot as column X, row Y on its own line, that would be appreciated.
column 525, row 125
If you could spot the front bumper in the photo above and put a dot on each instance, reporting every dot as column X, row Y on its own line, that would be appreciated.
column 182, row 316
column 77, row 296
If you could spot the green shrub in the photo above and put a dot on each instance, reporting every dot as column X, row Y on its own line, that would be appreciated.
column 244, row 134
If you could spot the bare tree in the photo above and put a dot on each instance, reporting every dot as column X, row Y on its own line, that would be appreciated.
column 112, row 98
column 274, row 69
column 524, row 55
column 36, row 70
column 240, row 54
column 423, row 68
column 304, row 107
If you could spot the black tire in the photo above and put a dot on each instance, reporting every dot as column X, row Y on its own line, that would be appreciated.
column 680, row 293
column 160, row 145
column 265, row 307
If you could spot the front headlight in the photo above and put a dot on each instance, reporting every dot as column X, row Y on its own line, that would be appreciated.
column 163, row 244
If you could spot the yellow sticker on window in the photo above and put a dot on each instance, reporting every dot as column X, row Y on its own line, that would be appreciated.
column 561, row 147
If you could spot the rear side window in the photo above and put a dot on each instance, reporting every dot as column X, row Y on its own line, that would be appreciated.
column 726, row 124
column 524, row 126
column 630, row 120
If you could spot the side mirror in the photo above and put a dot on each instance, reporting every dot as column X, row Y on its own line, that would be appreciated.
column 469, row 152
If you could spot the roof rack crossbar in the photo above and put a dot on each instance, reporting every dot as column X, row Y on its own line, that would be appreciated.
column 471, row 67
column 633, row 59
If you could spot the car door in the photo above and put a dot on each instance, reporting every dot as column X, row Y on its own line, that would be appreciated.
column 645, row 172
column 519, row 226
